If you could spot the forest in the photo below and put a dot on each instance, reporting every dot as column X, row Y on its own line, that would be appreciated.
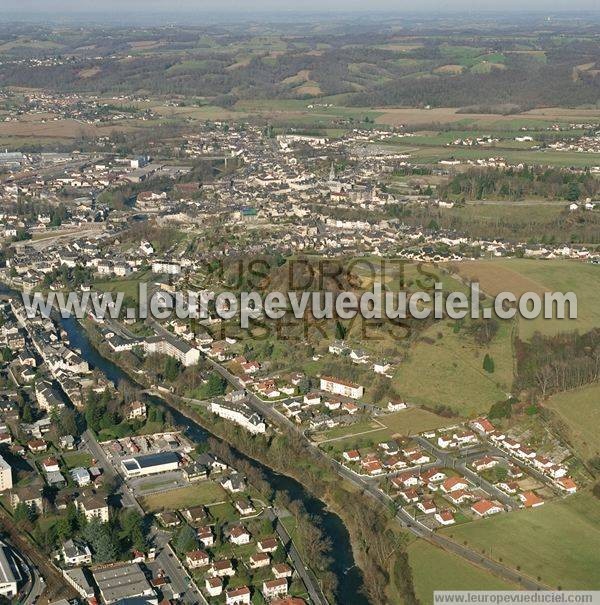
column 547, row 365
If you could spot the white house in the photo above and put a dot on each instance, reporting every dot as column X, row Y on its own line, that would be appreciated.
column 341, row 387
column 239, row 535
column 214, row 586
column 238, row 596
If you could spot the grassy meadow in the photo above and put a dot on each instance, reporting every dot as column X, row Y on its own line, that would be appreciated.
column 535, row 541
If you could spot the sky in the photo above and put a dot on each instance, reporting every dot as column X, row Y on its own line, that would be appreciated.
column 70, row 6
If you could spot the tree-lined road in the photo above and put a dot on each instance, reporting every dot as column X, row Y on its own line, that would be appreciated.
column 403, row 517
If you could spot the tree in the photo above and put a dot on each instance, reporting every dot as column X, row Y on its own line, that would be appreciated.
column 215, row 386
column 69, row 423
column 340, row 331
column 186, row 540
column 101, row 539
column 488, row 364
column 27, row 414
column 24, row 514
column 134, row 530
column 573, row 192
column 172, row 369
column 501, row 409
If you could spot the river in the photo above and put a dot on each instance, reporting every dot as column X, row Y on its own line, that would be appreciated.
column 350, row 580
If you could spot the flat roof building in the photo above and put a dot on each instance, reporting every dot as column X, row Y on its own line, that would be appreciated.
column 150, row 464
column 121, row 582
column 10, row 575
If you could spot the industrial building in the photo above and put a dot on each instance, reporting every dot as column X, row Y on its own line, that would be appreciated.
column 10, row 575
column 120, row 582
column 150, row 464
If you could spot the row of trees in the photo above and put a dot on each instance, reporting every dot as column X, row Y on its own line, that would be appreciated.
column 551, row 183
column 379, row 553
column 548, row 364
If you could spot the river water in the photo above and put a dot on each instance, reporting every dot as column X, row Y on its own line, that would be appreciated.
column 350, row 580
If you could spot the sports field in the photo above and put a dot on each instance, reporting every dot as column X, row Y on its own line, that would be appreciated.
column 205, row 492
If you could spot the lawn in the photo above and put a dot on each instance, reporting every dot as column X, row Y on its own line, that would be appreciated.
column 204, row 492
column 451, row 572
column 518, row 212
column 413, row 420
column 75, row 459
column 536, row 540
column 367, row 428
column 446, row 368
column 522, row 275
column 579, row 410
column 129, row 286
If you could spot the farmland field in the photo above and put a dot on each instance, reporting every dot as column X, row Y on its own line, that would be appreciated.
column 580, row 411
column 451, row 572
column 522, row 275
column 533, row 540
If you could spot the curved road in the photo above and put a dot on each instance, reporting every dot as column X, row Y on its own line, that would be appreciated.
column 404, row 518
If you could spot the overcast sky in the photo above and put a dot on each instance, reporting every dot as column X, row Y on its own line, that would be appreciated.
column 62, row 6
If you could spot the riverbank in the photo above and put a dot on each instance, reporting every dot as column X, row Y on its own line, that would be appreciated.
column 350, row 584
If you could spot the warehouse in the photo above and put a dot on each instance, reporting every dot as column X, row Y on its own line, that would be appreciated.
column 150, row 464
column 120, row 582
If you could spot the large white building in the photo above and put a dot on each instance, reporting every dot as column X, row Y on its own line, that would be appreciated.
column 93, row 506
column 241, row 414
column 173, row 347
column 342, row 387
column 5, row 475
column 166, row 267
column 150, row 464
column 10, row 575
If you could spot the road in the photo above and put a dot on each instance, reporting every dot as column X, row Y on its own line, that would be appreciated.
column 460, row 463
column 35, row 584
column 128, row 500
column 166, row 558
column 404, row 518
column 310, row 581
column 181, row 581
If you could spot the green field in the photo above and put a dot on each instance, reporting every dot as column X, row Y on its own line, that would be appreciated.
column 522, row 275
column 516, row 212
column 432, row 154
column 451, row 572
column 129, row 286
column 580, row 411
column 537, row 541
column 448, row 370
column 413, row 420
column 355, row 436
column 204, row 492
